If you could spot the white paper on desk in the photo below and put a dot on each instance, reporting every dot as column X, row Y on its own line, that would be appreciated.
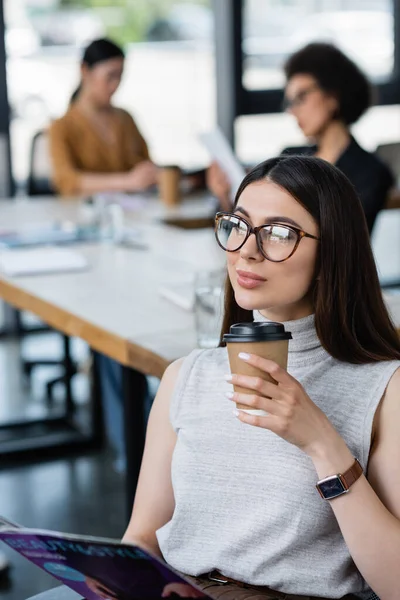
column 129, row 202
column 181, row 294
column 38, row 261
column 220, row 151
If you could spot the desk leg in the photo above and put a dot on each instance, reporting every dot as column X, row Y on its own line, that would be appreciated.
column 68, row 374
column 11, row 322
column 134, row 393
column 97, row 416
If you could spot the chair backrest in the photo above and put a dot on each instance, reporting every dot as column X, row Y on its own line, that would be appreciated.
column 7, row 187
column 40, row 169
column 390, row 154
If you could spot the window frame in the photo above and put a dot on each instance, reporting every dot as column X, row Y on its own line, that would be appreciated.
column 7, row 189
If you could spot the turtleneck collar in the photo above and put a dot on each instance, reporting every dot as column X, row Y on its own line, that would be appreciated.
column 305, row 346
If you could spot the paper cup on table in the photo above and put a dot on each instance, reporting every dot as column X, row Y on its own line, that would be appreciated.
column 268, row 340
column 169, row 180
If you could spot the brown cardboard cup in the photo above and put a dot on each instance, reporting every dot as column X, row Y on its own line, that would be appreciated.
column 169, row 180
column 272, row 349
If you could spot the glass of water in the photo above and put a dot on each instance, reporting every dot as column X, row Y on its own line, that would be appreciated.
column 208, row 306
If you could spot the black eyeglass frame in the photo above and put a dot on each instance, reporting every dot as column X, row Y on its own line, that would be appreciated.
column 300, row 98
column 250, row 229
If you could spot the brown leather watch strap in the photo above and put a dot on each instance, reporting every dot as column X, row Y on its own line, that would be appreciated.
column 352, row 474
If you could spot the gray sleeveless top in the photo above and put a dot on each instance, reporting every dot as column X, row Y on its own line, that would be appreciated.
column 245, row 499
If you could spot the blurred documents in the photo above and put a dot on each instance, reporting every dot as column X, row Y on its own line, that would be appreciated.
column 220, row 151
column 181, row 294
column 40, row 261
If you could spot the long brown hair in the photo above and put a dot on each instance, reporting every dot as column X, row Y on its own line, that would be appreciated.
column 351, row 319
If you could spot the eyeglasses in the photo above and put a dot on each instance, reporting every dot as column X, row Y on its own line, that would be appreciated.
column 299, row 99
column 275, row 241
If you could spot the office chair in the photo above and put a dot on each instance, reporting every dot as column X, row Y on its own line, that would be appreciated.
column 40, row 171
column 390, row 155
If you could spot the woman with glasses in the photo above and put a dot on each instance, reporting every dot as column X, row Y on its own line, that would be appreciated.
column 327, row 93
column 230, row 498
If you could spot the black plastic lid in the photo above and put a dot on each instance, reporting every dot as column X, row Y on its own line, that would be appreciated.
column 257, row 332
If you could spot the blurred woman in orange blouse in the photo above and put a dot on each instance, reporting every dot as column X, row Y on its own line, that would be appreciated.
column 95, row 146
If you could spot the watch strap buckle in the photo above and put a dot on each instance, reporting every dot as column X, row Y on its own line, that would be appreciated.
column 217, row 577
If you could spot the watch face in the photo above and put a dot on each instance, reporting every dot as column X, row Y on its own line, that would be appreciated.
column 331, row 487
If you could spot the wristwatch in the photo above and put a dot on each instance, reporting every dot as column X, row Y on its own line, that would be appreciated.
column 336, row 485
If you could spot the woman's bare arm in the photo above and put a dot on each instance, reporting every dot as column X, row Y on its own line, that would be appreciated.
column 142, row 176
column 369, row 516
column 154, row 501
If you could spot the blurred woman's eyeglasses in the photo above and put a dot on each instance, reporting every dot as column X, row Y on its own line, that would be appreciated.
column 299, row 98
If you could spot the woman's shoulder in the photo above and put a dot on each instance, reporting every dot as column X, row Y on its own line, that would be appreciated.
column 370, row 162
column 192, row 376
column 392, row 393
column 124, row 115
column 388, row 414
column 205, row 357
column 128, row 122
column 65, row 124
column 60, row 123
column 370, row 367
column 198, row 362
column 367, row 379
column 393, row 387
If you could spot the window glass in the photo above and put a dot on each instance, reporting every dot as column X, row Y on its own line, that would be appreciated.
column 168, row 84
column 274, row 29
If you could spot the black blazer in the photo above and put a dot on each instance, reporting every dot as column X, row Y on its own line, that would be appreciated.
column 371, row 178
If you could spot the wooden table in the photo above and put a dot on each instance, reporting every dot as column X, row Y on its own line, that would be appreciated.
column 115, row 306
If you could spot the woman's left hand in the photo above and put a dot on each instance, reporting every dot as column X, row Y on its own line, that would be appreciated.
column 291, row 413
column 100, row 589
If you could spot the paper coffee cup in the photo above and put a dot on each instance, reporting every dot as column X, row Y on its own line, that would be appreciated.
column 169, row 180
column 266, row 339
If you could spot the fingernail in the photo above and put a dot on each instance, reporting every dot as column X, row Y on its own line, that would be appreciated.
column 229, row 395
column 235, row 412
column 244, row 355
column 228, row 377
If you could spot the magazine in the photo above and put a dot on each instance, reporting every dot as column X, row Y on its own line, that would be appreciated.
column 97, row 568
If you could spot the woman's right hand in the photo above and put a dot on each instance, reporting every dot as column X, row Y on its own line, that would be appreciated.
column 141, row 177
column 218, row 184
